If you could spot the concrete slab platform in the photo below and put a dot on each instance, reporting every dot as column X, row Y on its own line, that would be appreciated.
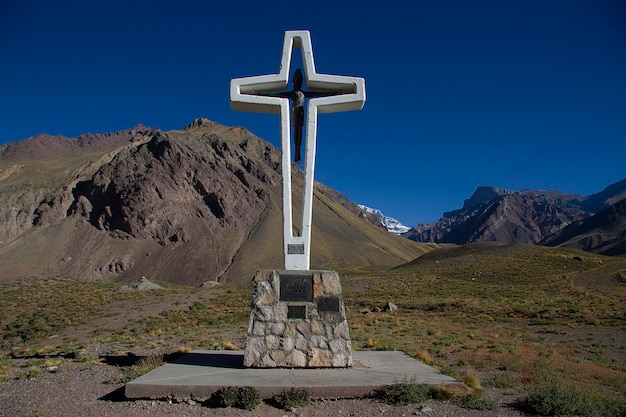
column 200, row 373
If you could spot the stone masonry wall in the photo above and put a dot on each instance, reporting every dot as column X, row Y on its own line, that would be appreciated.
column 298, row 320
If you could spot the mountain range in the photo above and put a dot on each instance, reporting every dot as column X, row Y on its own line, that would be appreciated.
column 595, row 223
column 187, row 206
column 204, row 204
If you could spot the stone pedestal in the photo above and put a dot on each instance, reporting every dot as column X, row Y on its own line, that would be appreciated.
column 298, row 320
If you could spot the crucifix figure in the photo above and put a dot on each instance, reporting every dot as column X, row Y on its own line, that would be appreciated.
column 297, row 96
column 297, row 112
column 327, row 94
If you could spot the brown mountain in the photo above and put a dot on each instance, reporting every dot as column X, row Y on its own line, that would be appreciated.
column 507, row 217
column 529, row 216
column 603, row 233
column 188, row 206
column 597, row 202
column 42, row 146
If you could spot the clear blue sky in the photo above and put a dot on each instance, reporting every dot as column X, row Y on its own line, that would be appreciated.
column 515, row 94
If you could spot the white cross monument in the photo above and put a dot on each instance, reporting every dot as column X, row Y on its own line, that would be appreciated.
column 331, row 93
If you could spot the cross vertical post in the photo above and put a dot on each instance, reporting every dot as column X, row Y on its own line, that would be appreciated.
column 268, row 94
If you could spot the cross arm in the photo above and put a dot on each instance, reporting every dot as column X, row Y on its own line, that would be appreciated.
column 247, row 94
column 351, row 92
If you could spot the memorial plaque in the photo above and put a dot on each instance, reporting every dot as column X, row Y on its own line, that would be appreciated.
column 295, row 249
column 296, row 288
column 296, row 312
column 328, row 304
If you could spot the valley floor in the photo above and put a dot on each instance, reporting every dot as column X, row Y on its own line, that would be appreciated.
column 517, row 320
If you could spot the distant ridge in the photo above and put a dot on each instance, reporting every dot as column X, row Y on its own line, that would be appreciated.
column 603, row 233
column 530, row 216
column 43, row 146
column 597, row 202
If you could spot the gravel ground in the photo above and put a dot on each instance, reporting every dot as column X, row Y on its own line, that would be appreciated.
column 75, row 391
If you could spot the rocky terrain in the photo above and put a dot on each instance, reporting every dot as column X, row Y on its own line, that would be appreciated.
column 43, row 146
column 604, row 232
column 496, row 215
column 508, row 320
column 187, row 206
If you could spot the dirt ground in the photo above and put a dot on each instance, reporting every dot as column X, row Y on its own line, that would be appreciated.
column 78, row 391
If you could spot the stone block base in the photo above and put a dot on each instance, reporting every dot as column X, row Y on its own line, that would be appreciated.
column 298, row 320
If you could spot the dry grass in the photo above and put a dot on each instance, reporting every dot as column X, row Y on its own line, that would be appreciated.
column 522, row 317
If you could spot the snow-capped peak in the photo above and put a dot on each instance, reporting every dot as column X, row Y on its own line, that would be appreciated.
column 391, row 224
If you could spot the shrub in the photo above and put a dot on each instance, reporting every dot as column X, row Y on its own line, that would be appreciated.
column 555, row 400
column 52, row 362
column 226, row 397
column 471, row 379
column 292, row 399
column 6, row 364
column 29, row 327
column 246, row 398
column 230, row 346
column 406, row 392
column 31, row 372
column 424, row 356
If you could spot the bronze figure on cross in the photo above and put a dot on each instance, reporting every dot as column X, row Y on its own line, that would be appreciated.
column 296, row 97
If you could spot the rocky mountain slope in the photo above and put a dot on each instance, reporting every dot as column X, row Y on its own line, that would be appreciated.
column 597, row 202
column 43, row 146
column 603, row 233
column 188, row 206
column 528, row 216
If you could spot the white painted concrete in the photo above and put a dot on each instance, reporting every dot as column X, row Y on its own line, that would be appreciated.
column 244, row 96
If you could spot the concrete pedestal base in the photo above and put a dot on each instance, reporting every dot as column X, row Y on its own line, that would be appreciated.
column 198, row 375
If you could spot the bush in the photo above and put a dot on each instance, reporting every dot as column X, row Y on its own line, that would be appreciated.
column 226, row 397
column 471, row 379
column 555, row 400
column 292, row 399
column 6, row 364
column 246, row 398
column 406, row 392
column 29, row 326
column 31, row 372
